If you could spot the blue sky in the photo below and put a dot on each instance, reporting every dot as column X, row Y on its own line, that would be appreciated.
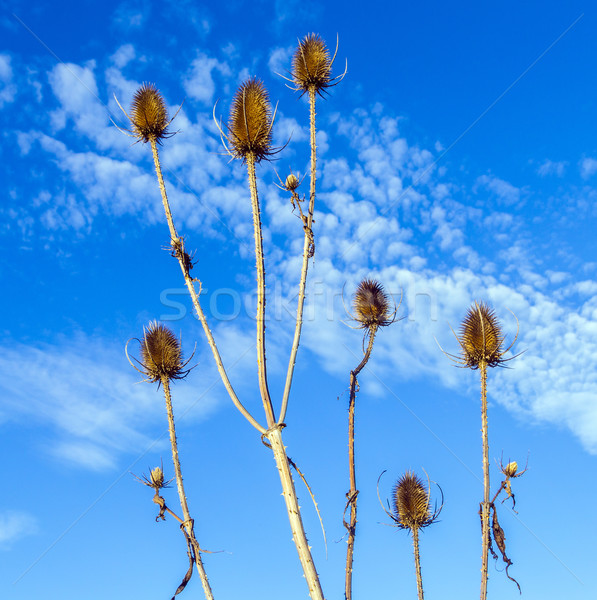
column 458, row 161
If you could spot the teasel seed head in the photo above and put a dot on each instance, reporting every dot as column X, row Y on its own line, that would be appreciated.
column 411, row 503
column 149, row 115
column 157, row 478
column 481, row 338
column 250, row 122
column 161, row 354
column 291, row 183
column 311, row 64
column 371, row 305
column 510, row 469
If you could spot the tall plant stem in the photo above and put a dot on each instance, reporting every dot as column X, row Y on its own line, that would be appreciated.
column 274, row 435
column 188, row 522
column 415, row 532
column 307, row 253
column 261, row 359
column 486, row 503
column 178, row 251
column 353, row 492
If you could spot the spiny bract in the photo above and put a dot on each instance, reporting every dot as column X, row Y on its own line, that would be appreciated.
column 311, row 64
column 250, row 121
column 481, row 337
column 371, row 304
column 411, row 502
column 161, row 354
column 148, row 114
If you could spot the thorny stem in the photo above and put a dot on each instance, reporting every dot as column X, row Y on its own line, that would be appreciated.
column 353, row 492
column 307, row 253
column 188, row 522
column 261, row 360
column 486, row 503
column 177, row 242
column 274, row 435
column 415, row 532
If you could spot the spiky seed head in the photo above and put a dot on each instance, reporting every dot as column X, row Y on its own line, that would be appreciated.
column 291, row 183
column 481, row 337
column 510, row 469
column 157, row 478
column 148, row 114
column 411, row 502
column 161, row 354
column 250, row 122
column 371, row 304
column 311, row 64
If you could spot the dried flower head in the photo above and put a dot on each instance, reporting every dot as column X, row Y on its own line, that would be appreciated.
column 149, row 115
column 411, row 502
column 291, row 183
column 481, row 337
column 372, row 305
column 510, row 469
column 250, row 122
column 161, row 354
column 311, row 64
column 157, row 478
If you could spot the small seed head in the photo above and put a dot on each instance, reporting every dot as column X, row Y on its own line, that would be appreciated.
column 481, row 337
column 311, row 64
column 371, row 304
column 161, row 354
column 157, row 478
column 291, row 183
column 250, row 121
column 510, row 469
column 148, row 114
column 411, row 502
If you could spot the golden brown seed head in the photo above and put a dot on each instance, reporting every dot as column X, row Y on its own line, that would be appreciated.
column 311, row 64
column 157, row 478
column 148, row 114
column 481, row 337
column 291, row 183
column 250, row 122
column 411, row 502
column 371, row 304
column 510, row 469
column 161, row 354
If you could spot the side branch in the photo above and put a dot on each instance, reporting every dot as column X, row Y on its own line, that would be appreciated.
column 176, row 242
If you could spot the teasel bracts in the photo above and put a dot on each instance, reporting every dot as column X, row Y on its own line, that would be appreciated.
column 411, row 503
column 161, row 354
column 371, row 305
column 149, row 115
column 311, row 64
column 250, row 122
column 481, row 338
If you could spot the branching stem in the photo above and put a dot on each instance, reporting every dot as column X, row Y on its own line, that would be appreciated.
column 188, row 522
column 178, row 249
column 353, row 492
column 307, row 253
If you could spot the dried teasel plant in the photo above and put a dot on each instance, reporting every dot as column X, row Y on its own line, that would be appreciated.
column 411, row 509
column 372, row 310
column 161, row 361
column 481, row 343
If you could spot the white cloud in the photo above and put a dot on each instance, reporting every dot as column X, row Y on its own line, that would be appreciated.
column 15, row 525
column 199, row 83
column 550, row 167
column 588, row 167
column 279, row 61
column 8, row 90
column 505, row 192
column 124, row 55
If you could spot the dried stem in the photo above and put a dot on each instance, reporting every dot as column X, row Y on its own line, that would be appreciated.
column 353, row 492
column 261, row 359
column 307, row 253
column 274, row 435
column 178, row 251
column 485, row 506
column 188, row 521
column 415, row 532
